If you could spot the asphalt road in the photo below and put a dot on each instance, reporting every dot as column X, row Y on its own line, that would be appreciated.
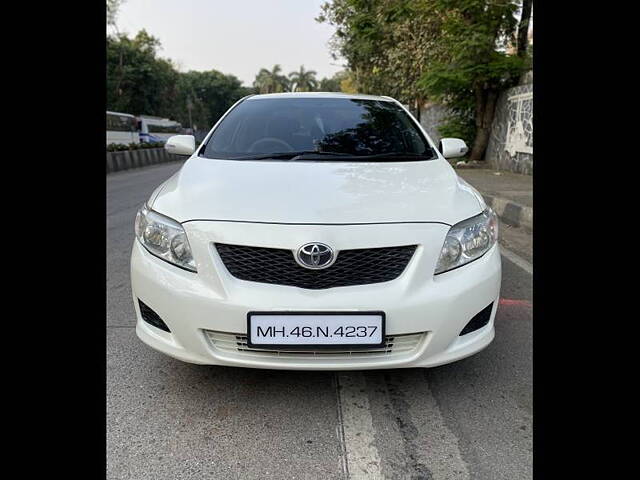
column 171, row 420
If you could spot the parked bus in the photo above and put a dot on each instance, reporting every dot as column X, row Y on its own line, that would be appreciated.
column 156, row 129
column 122, row 128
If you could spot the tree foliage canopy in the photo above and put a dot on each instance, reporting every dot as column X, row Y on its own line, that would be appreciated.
column 387, row 43
column 340, row 82
column 139, row 82
column 271, row 81
column 303, row 80
column 210, row 93
column 451, row 51
column 472, row 66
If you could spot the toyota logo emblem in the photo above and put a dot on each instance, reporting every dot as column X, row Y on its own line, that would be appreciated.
column 315, row 256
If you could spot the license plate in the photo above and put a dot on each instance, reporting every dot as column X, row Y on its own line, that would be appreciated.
column 315, row 329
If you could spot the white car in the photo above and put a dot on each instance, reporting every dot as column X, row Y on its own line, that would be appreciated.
column 316, row 231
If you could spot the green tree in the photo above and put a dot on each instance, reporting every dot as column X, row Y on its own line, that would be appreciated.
column 348, row 83
column 303, row 80
column 271, row 81
column 137, row 81
column 387, row 43
column 523, row 28
column 452, row 51
column 329, row 85
column 334, row 84
column 210, row 94
column 473, row 66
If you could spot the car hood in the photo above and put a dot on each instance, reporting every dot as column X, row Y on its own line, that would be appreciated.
column 317, row 192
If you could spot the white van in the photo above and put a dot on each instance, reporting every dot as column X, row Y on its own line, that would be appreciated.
column 122, row 128
column 157, row 129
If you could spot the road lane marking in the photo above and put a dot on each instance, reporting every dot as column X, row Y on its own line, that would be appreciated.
column 428, row 442
column 362, row 457
column 340, row 431
column 519, row 261
column 429, row 448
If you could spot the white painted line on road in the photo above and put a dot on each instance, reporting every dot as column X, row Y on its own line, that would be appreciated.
column 436, row 446
column 363, row 459
column 340, row 431
column 519, row 261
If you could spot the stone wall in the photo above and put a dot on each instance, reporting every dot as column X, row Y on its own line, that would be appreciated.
column 431, row 116
column 511, row 143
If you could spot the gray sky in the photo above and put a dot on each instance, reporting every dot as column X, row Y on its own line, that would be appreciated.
column 235, row 36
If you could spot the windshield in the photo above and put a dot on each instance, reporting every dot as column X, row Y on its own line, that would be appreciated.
column 318, row 129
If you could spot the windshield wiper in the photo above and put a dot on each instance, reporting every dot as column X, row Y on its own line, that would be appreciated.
column 429, row 155
column 388, row 157
column 310, row 154
column 289, row 155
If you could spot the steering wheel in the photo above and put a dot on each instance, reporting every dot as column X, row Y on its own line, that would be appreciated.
column 288, row 147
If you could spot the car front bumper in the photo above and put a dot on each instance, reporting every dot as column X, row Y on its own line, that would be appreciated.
column 207, row 311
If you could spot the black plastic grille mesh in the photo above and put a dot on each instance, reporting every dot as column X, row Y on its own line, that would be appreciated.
column 478, row 321
column 278, row 266
column 151, row 317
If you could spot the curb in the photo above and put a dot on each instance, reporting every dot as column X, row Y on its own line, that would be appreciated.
column 511, row 212
column 469, row 165
column 128, row 159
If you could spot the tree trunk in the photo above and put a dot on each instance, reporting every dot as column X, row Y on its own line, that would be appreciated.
column 118, row 90
column 485, row 110
column 523, row 28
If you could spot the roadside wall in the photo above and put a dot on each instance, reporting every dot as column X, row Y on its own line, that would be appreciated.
column 432, row 116
column 511, row 143
column 128, row 159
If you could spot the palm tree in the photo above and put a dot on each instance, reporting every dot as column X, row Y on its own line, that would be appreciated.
column 304, row 80
column 271, row 81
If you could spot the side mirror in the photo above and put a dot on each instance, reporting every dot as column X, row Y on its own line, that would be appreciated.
column 452, row 147
column 181, row 145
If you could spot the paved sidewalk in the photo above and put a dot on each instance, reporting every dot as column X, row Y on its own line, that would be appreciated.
column 509, row 194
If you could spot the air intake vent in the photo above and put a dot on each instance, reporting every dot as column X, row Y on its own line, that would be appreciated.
column 352, row 267
column 151, row 317
column 479, row 321
column 396, row 346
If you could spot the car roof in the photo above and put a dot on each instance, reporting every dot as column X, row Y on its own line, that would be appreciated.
column 321, row 95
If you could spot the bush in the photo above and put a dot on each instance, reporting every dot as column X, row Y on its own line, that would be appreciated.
column 117, row 147
column 461, row 126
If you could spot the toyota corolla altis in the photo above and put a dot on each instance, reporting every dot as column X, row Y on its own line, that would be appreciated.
column 316, row 231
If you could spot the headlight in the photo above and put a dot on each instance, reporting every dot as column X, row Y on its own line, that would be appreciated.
column 165, row 238
column 468, row 240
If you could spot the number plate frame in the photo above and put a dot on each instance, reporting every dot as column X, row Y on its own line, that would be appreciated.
column 323, row 346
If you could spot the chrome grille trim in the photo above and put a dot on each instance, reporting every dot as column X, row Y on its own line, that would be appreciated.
column 236, row 344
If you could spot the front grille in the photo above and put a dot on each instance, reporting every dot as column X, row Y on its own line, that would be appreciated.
column 278, row 266
column 395, row 346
